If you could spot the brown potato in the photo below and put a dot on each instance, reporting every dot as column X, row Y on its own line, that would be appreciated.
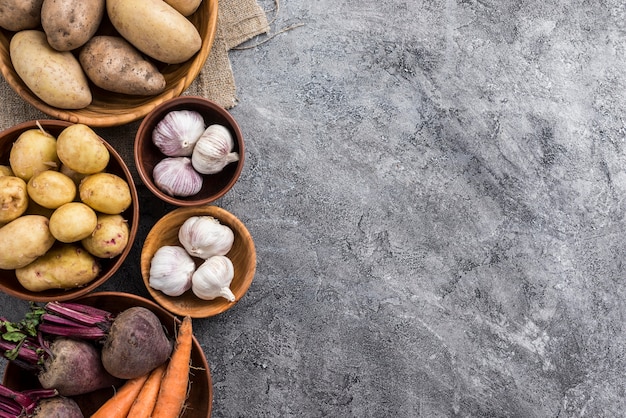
column 109, row 238
column 5, row 170
column 23, row 240
column 82, row 150
column 105, row 192
column 16, row 15
column 34, row 151
column 185, row 7
column 72, row 222
column 126, row 70
column 13, row 198
column 69, row 24
column 63, row 267
column 51, row 189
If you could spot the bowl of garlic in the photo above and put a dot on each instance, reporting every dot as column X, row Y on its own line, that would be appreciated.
column 189, row 151
column 198, row 261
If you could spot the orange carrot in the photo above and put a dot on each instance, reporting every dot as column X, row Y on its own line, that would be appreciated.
column 119, row 404
column 144, row 403
column 173, row 393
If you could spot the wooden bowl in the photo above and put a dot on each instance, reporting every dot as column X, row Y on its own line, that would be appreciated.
column 147, row 155
column 242, row 254
column 113, row 109
column 8, row 281
column 200, row 398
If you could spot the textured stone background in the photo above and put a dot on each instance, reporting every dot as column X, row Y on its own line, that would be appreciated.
column 436, row 192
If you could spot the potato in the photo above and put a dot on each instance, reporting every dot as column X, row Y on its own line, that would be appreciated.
column 69, row 24
column 51, row 189
column 82, row 150
column 66, row 266
column 13, row 198
column 23, row 240
column 105, row 192
column 54, row 76
column 126, row 70
column 17, row 15
column 72, row 222
column 74, row 175
column 34, row 151
column 185, row 7
column 109, row 238
column 155, row 28
column 5, row 170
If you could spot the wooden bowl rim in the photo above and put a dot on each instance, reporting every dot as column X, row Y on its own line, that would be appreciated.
column 91, row 117
column 210, row 307
column 59, row 294
column 142, row 136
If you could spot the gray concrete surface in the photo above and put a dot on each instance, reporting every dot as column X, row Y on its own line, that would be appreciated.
column 436, row 190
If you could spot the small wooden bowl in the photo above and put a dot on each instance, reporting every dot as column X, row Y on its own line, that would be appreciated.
column 8, row 281
column 147, row 155
column 113, row 109
column 242, row 254
column 200, row 398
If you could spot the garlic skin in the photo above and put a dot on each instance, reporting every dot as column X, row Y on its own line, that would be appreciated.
column 178, row 132
column 205, row 236
column 213, row 278
column 171, row 269
column 214, row 150
column 177, row 177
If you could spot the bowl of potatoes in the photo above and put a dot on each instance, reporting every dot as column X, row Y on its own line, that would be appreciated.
column 104, row 63
column 68, row 210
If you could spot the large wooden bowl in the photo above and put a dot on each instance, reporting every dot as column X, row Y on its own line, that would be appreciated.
column 113, row 109
column 8, row 281
column 242, row 254
column 200, row 399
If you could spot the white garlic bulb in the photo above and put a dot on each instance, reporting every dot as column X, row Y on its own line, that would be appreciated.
column 214, row 150
column 204, row 236
column 178, row 132
column 177, row 177
column 213, row 278
column 171, row 269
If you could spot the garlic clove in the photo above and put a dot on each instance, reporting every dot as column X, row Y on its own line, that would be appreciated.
column 204, row 237
column 214, row 150
column 213, row 278
column 171, row 270
column 178, row 132
column 177, row 177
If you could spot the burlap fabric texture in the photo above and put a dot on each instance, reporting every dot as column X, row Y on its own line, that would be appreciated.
column 238, row 21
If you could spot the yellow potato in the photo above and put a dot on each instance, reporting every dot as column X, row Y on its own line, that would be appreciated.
column 34, row 151
column 185, row 7
column 81, row 149
column 16, row 15
column 105, row 192
column 110, row 237
column 126, row 70
column 155, row 28
column 13, row 198
column 54, row 76
column 51, row 189
column 69, row 24
column 23, row 240
column 64, row 267
column 5, row 170
column 72, row 222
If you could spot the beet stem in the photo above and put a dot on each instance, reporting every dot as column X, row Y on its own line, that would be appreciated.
column 91, row 333
column 90, row 317
column 24, row 400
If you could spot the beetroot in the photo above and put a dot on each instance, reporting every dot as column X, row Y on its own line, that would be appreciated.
column 57, row 407
column 36, row 403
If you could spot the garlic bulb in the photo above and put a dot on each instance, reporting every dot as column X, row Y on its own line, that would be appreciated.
column 205, row 236
column 171, row 269
column 176, row 177
column 177, row 133
column 214, row 150
column 213, row 278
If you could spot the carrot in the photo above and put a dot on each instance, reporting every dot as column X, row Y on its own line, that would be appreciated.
column 173, row 392
column 119, row 404
column 144, row 403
